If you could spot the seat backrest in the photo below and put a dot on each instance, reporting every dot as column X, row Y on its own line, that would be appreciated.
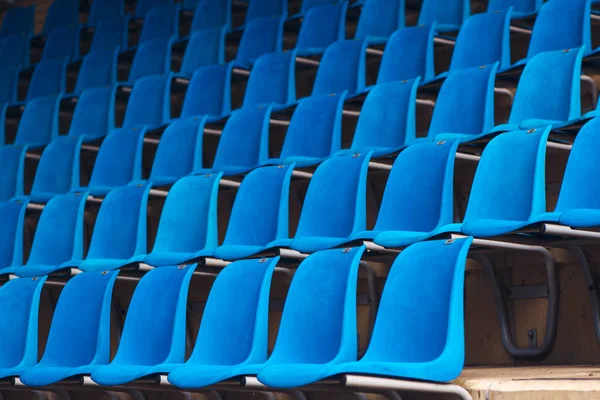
column 206, row 47
column 19, row 305
column 465, row 103
column 315, row 129
column 18, row 20
column 335, row 203
column 321, row 27
column 155, row 326
column 12, row 159
column 11, row 232
column 61, row 13
column 62, row 42
column 153, row 57
column 307, row 5
column 420, row 317
column 263, row 194
column 59, row 233
column 408, row 54
column 39, row 123
column 234, row 326
column 509, row 183
column 519, row 6
column 48, row 79
column 561, row 24
column 261, row 36
column 209, row 92
column 449, row 14
column 98, row 69
column 380, row 18
column 143, row 7
column 483, row 39
column 58, row 169
column 245, row 139
column 272, row 80
column 120, row 229
column 161, row 22
column 549, row 93
column 150, row 102
column 9, row 82
column 266, row 8
column 188, row 222
column 343, row 67
column 94, row 114
column 418, row 196
column 111, row 33
column 387, row 118
column 212, row 14
column 14, row 50
column 101, row 10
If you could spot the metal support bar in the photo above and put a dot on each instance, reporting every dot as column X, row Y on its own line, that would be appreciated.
column 33, row 156
column 374, row 52
column 214, row 262
column 307, row 61
column 593, row 288
column 302, row 174
column 209, row 131
column 33, row 206
column 428, row 103
column 289, row 253
column 241, row 72
column 377, row 383
column 466, row 156
column 559, row 146
column 229, row 183
column 506, row 92
column 517, row 29
column 440, row 40
column 560, row 230
column 379, row 249
column 279, row 122
column 378, row 165
column 151, row 140
column 158, row 193
column 90, row 147
column 351, row 113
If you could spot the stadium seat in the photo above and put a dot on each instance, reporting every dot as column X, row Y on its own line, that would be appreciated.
column 155, row 327
column 119, row 236
column 62, row 42
column 244, row 142
column 98, row 69
column 307, row 5
column 149, row 104
column 265, row 8
column 190, row 5
column 205, row 47
column 104, row 9
column 379, row 19
column 322, row 26
column 261, row 36
column 19, row 306
column 152, row 57
column 58, row 240
column 144, row 6
column 12, row 159
column 313, row 135
column 209, row 93
column 418, row 202
column 82, row 312
column 272, row 81
column 61, row 13
column 343, row 67
column 212, row 14
column 111, row 34
column 9, row 82
column 48, row 78
column 188, row 224
column 520, row 8
column 58, row 169
column 335, row 204
column 449, row 14
column 386, row 122
column 38, row 125
column 316, row 332
column 14, row 50
column 260, row 214
column 161, row 22
column 11, row 232
column 94, row 115
column 233, row 333
column 408, row 54
column 18, row 20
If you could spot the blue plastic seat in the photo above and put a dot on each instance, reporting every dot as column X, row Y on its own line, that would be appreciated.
column 508, row 191
column 58, row 240
column 209, row 93
column 313, row 135
column 316, row 332
column 101, row 10
column 408, row 54
column 9, row 83
column 11, row 233
column 205, row 47
column 233, row 334
column 19, row 305
column 334, row 208
column 464, row 108
column 14, row 50
column 38, row 125
column 12, row 159
column 94, row 115
column 18, row 20
column 161, row 22
column 61, row 13
column 143, row 7
column 272, row 81
column 152, row 57
column 322, row 26
column 521, row 8
column 48, row 78
column 261, row 36
column 211, row 14
column 82, row 312
column 260, row 214
column 149, row 104
column 244, row 142
column 98, row 69
column 343, row 67
column 111, row 34
column 386, row 122
column 155, row 327
column 449, row 14
column 188, row 224
column 265, row 8
column 379, row 19
column 62, row 42
column 418, row 202
column 119, row 236
column 307, row 5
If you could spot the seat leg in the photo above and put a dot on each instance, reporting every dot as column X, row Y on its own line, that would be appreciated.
column 592, row 285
